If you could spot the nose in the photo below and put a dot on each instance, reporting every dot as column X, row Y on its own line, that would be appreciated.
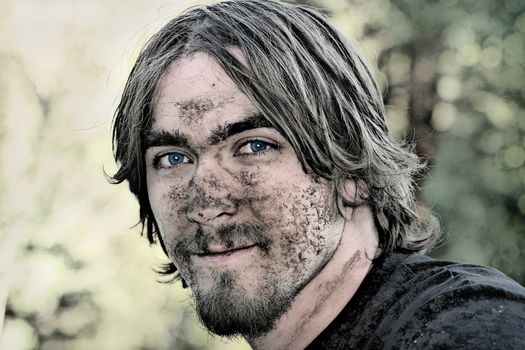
column 210, row 188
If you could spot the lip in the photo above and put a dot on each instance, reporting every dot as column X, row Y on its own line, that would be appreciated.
column 223, row 257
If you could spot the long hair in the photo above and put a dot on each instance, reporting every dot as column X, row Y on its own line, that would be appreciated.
column 309, row 82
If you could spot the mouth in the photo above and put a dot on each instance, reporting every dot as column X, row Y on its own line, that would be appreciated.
column 220, row 256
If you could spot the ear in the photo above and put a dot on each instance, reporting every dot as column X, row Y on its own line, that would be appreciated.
column 356, row 209
column 355, row 192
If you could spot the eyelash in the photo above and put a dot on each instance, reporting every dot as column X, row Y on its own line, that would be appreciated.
column 270, row 145
column 158, row 158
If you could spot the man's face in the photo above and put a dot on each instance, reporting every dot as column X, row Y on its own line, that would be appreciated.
column 246, row 227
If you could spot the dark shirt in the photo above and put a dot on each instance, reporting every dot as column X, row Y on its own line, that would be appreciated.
column 411, row 301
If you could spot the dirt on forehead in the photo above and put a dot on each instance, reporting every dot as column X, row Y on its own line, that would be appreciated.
column 193, row 110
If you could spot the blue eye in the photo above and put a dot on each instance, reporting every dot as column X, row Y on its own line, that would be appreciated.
column 175, row 158
column 255, row 147
column 258, row 146
column 170, row 160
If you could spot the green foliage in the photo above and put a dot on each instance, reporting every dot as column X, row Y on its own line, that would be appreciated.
column 477, row 181
column 453, row 77
column 79, row 276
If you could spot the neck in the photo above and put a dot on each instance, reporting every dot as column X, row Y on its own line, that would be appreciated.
column 323, row 298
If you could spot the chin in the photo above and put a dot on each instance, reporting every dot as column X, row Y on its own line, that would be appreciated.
column 228, row 309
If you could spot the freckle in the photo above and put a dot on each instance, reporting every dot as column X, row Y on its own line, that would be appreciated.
column 213, row 84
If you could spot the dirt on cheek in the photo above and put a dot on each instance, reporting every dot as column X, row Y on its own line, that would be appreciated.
column 299, row 219
column 176, row 200
column 249, row 179
column 169, row 212
column 172, row 214
column 296, row 217
column 215, row 185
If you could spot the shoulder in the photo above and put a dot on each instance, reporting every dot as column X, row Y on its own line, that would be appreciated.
column 455, row 305
column 411, row 301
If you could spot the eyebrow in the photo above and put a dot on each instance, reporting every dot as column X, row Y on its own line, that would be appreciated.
column 164, row 138
column 223, row 132
column 158, row 138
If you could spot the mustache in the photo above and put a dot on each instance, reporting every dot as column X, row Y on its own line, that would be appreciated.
column 230, row 235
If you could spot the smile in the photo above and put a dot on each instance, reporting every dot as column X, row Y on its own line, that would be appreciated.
column 226, row 257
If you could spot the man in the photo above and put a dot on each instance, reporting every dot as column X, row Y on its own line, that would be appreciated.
column 253, row 137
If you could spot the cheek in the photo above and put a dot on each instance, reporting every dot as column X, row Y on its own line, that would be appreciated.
column 300, row 216
column 177, row 201
column 169, row 205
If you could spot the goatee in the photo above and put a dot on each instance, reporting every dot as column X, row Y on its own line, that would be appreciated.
column 228, row 309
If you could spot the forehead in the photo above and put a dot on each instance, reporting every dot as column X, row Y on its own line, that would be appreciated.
column 195, row 95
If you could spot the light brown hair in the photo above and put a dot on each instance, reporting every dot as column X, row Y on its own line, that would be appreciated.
column 309, row 82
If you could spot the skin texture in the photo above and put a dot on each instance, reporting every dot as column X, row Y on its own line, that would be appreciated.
column 257, row 239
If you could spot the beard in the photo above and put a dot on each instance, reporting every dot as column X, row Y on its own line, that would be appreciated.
column 228, row 309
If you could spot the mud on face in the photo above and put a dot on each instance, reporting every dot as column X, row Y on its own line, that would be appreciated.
column 227, row 184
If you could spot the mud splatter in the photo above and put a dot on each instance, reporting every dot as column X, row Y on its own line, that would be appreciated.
column 192, row 111
column 295, row 216
column 324, row 294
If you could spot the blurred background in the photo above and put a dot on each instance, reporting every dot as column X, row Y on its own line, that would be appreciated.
column 75, row 274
